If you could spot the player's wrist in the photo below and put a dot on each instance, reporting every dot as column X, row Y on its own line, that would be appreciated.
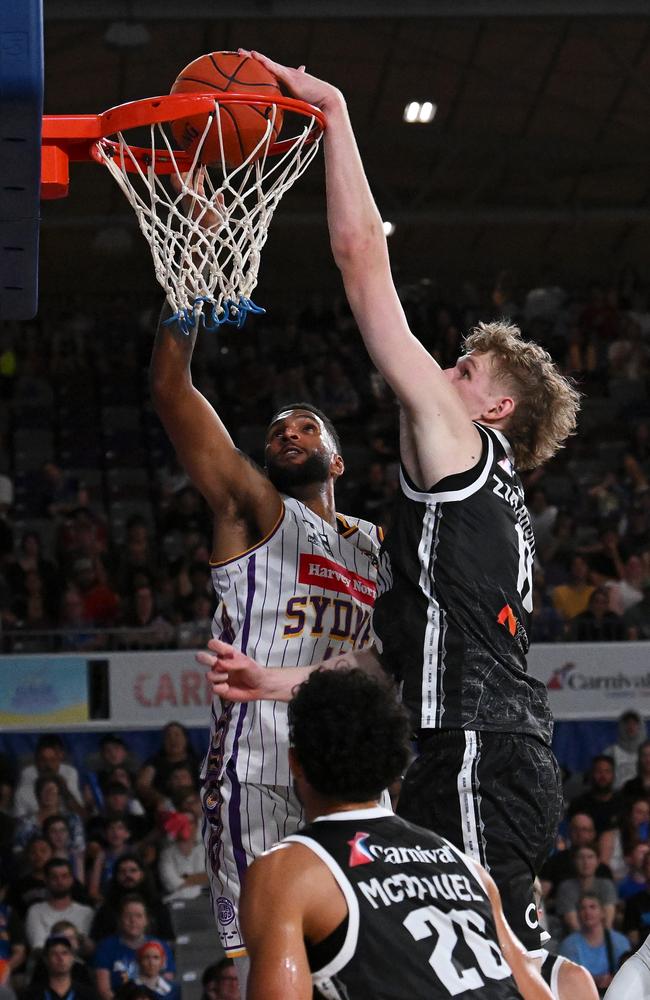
column 334, row 106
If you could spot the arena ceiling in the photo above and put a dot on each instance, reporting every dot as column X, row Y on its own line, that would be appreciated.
column 538, row 159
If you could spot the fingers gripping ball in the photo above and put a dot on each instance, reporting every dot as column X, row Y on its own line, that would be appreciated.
column 242, row 125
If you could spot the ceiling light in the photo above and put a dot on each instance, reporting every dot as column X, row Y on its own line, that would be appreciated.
column 389, row 228
column 420, row 113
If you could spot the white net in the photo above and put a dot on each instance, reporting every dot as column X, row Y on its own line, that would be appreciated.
column 206, row 225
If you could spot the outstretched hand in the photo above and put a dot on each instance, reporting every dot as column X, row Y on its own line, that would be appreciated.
column 195, row 202
column 300, row 84
column 232, row 674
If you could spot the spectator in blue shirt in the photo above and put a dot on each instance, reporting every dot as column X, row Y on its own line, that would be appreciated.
column 116, row 956
column 595, row 946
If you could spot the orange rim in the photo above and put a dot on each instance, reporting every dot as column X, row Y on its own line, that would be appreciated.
column 76, row 137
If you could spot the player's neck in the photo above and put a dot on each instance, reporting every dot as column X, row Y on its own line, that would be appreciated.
column 319, row 497
column 319, row 806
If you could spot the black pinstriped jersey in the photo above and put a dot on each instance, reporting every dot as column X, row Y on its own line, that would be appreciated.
column 550, row 970
column 419, row 921
column 454, row 598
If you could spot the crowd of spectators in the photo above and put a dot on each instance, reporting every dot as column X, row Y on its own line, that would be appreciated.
column 105, row 544
column 595, row 888
column 91, row 864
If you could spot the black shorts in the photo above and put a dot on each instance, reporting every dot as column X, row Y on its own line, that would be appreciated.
column 497, row 797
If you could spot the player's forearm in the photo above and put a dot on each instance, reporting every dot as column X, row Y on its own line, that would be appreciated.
column 170, row 360
column 234, row 676
column 354, row 221
column 529, row 981
column 283, row 681
column 361, row 253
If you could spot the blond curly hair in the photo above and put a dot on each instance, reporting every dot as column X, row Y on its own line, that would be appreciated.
column 546, row 403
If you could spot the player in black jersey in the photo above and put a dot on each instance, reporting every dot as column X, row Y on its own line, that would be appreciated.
column 359, row 902
column 568, row 980
column 455, row 576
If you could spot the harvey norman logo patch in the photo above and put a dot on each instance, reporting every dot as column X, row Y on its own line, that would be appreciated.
column 317, row 571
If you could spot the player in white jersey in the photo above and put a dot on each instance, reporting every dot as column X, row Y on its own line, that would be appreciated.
column 632, row 981
column 295, row 582
column 306, row 591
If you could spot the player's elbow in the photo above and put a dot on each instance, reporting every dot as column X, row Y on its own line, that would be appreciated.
column 164, row 385
column 360, row 246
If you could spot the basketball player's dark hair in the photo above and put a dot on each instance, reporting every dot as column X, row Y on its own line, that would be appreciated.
column 349, row 733
column 329, row 426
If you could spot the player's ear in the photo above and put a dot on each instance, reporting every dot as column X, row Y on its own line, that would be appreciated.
column 502, row 407
column 337, row 466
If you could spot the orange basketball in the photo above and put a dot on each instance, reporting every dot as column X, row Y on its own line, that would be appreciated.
column 242, row 125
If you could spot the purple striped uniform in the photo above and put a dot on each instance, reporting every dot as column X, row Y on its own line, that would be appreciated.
column 301, row 595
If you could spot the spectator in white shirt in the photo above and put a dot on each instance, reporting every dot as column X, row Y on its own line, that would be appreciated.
column 59, row 905
column 182, row 865
column 48, row 759
column 625, row 752
column 628, row 591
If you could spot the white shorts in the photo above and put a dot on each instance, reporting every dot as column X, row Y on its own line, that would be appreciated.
column 241, row 821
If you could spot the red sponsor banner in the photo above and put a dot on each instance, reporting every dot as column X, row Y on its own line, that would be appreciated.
column 316, row 571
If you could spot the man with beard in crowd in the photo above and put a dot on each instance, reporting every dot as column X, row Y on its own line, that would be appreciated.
column 130, row 875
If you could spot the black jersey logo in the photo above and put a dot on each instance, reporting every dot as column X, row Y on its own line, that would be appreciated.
column 513, row 626
column 359, row 852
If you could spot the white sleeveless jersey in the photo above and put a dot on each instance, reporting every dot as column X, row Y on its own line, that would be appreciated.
column 303, row 594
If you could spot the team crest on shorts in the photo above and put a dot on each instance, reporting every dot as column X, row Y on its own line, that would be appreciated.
column 225, row 911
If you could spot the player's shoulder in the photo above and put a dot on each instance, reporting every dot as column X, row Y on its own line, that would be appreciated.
column 573, row 979
column 501, row 449
column 288, row 866
column 350, row 526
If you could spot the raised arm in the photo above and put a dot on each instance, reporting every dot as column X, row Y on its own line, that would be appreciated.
column 524, row 968
column 445, row 440
column 246, row 505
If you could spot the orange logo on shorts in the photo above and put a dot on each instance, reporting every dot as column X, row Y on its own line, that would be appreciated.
column 507, row 618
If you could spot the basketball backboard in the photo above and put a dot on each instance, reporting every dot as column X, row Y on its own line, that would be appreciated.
column 21, row 110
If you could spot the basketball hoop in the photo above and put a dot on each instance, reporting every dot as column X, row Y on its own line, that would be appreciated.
column 205, row 237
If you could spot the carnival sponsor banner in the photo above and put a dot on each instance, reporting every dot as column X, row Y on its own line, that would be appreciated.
column 44, row 691
column 153, row 688
column 593, row 680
